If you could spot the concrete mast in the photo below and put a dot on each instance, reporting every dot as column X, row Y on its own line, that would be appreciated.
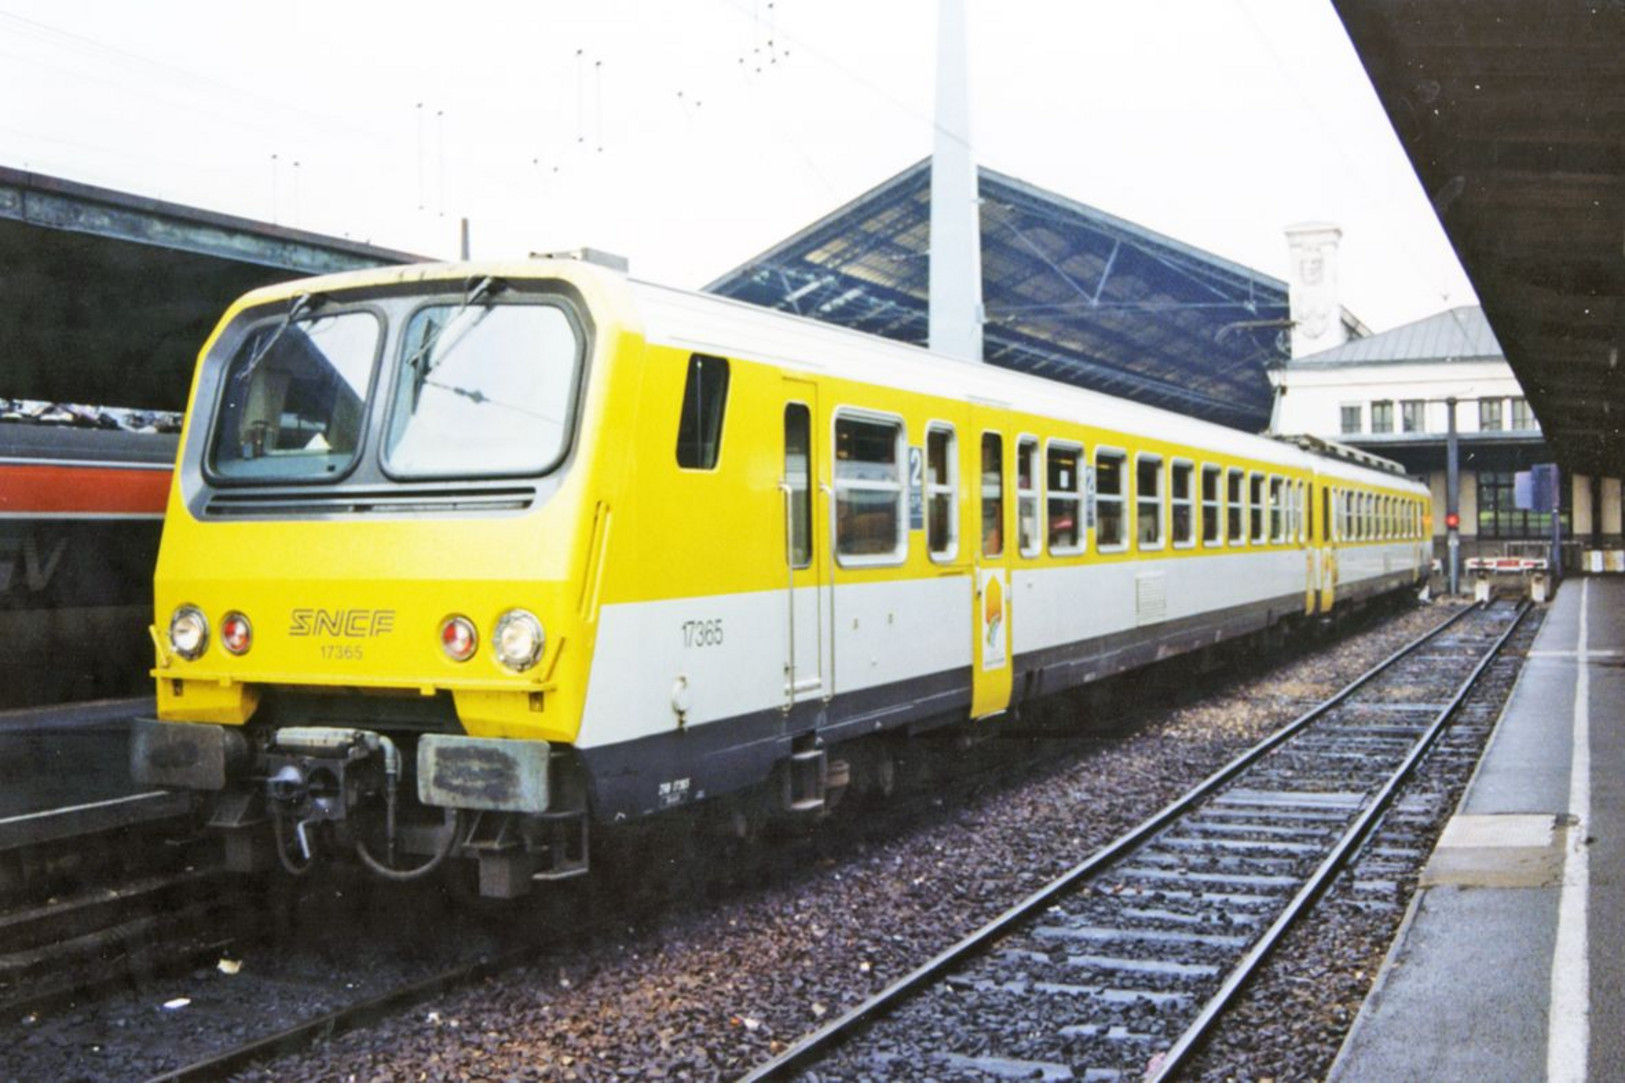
column 955, row 302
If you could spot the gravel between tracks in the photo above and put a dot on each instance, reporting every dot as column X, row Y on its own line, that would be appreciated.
column 701, row 989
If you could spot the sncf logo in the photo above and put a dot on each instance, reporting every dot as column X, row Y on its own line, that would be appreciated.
column 343, row 623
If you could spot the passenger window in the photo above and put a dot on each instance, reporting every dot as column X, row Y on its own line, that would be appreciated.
column 1109, row 501
column 1255, row 505
column 1277, row 511
column 869, row 489
column 1065, row 499
column 1236, row 530
column 941, row 490
column 1180, row 503
column 992, row 495
column 1210, row 505
column 798, row 479
column 699, row 431
column 1148, row 500
column 1027, row 496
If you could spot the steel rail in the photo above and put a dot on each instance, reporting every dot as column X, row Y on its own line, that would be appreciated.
column 813, row 1047
column 1334, row 864
column 362, row 1013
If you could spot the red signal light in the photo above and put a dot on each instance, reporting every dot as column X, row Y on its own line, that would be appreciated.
column 1452, row 520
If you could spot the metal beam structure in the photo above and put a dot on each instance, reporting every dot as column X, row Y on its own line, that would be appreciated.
column 1070, row 292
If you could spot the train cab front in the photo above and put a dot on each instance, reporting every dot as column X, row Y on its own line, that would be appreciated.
column 369, row 636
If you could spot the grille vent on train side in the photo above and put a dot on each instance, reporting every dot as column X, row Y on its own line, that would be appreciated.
column 361, row 503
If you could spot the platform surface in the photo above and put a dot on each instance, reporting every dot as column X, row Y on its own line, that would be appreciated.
column 1511, row 963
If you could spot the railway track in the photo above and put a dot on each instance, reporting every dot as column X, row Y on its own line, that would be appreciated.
column 1118, row 969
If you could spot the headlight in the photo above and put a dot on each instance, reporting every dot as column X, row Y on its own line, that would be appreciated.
column 236, row 633
column 188, row 632
column 519, row 639
column 458, row 637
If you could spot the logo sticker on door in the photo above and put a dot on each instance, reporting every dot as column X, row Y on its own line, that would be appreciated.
column 995, row 613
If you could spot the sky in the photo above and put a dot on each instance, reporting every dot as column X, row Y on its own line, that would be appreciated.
column 691, row 135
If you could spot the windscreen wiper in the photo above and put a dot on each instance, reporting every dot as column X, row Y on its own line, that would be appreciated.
column 486, row 287
column 300, row 305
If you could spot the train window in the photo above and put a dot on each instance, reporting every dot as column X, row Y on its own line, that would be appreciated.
column 1109, row 501
column 1148, row 500
column 483, row 391
column 1255, row 505
column 1303, row 510
column 798, row 481
column 1064, row 484
column 295, row 398
column 699, row 429
column 941, row 490
column 1326, row 496
column 1277, row 510
column 869, row 490
column 1210, row 505
column 1027, row 497
column 1181, row 503
column 992, row 495
column 1235, row 523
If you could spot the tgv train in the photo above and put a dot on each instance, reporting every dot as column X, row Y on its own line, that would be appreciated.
column 80, row 511
column 461, row 561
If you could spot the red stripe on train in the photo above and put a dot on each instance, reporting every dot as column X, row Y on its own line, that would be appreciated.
column 60, row 489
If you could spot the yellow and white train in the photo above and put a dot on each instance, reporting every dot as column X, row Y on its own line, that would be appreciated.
column 460, row 560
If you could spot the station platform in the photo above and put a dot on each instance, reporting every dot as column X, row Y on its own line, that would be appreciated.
column 1510, row 965
column 65, row 772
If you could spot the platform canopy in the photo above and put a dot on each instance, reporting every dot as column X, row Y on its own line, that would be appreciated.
column 1071, row 293
column 1513, row 115
column 106, row 297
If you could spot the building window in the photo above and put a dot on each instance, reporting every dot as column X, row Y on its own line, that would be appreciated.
column 1499, row 518
column 1351, row 418
column 1522, row 417
column 1413, row 416
column 1108, row 500
column 699, row 429
column 869, row 489
column 1027, row 496
column 941, row 487
column 1489, row 414
column 1065, row 499
column 1382, row 417
column 1148, row 500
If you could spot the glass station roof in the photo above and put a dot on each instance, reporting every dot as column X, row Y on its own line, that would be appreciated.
column 1070, row 293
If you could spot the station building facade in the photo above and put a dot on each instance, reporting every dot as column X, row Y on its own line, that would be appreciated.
column 1394, row 394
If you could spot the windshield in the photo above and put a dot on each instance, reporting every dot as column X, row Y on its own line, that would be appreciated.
column 295, row 398
column 484, row 390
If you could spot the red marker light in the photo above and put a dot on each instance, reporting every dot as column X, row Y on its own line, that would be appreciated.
column 458, row 638
column 236, row 633
column 1452, row 520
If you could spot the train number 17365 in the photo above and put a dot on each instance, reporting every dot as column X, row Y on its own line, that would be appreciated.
column 702, row 633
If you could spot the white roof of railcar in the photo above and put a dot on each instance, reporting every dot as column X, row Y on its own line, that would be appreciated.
column 723, row 326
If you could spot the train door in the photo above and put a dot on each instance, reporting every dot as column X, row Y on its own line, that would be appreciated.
column 807, row 652
column 991, row 664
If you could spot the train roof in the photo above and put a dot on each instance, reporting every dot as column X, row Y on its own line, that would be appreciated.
column 723, row 326
column 698, row 321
